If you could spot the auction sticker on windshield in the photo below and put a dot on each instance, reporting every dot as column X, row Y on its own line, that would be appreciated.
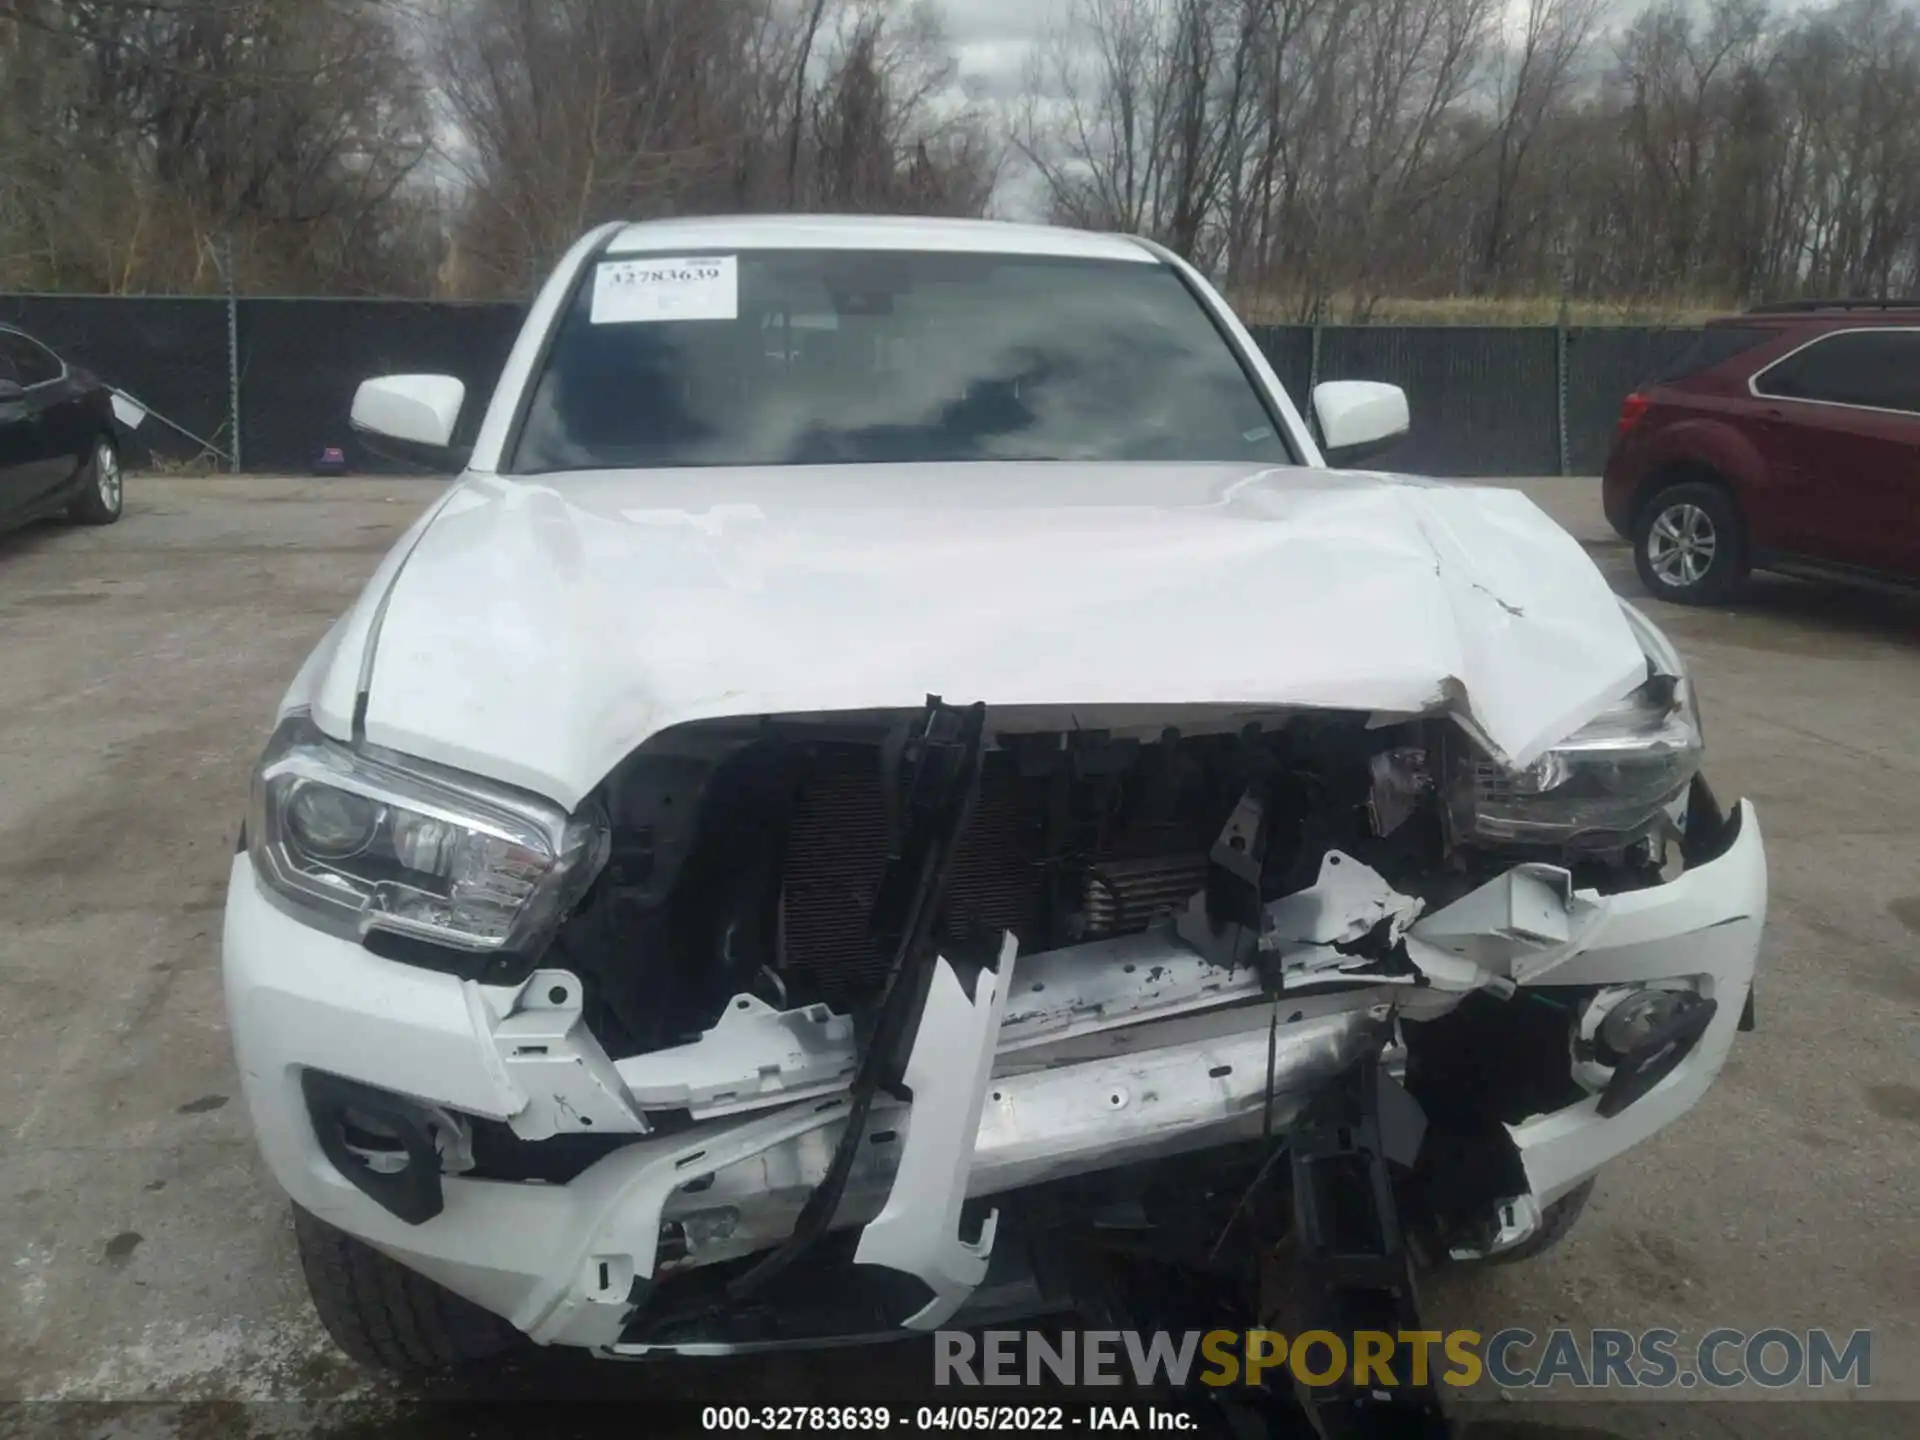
column 638, row 292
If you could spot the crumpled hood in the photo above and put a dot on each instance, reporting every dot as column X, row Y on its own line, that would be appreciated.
column 542, row 629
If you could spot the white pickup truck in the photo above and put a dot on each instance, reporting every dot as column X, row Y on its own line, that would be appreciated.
column 898, row 756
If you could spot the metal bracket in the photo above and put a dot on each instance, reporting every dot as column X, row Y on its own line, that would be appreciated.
column 754, row 1055
column 1521, row 924
column 1223, row 921
column 552, row 1058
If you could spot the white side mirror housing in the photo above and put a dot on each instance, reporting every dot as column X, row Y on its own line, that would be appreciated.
column 1358, row 418
column 417, row 409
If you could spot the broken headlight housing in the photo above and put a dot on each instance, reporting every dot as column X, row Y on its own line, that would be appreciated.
column 361, row 840
column 1616, row 781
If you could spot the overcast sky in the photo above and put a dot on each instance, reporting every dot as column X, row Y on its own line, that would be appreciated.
column 992, row 38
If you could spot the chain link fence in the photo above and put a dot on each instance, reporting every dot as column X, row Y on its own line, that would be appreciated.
column 1486, row 400
column 168, row 353
column 1603, row 364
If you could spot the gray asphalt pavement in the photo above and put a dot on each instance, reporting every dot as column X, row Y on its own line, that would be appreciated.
column 144, row 1253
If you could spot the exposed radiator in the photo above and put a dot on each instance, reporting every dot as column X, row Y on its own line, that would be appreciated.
column 836, row 853
column 1119, row 896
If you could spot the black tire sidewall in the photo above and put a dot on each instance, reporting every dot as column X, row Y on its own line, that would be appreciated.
column 384, row 1315
column 1729, row 558
column 88, row 508
column 1559, row 1218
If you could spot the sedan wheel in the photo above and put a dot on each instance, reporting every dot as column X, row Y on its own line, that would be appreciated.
column 104, row 489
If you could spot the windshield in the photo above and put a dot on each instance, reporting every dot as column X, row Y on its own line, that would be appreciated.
column 797, row 357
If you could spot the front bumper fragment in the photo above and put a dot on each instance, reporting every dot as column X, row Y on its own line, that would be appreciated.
column 1075, row 1091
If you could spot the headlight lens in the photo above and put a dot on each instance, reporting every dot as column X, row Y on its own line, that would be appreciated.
column 1610, row 784
column 365, row 841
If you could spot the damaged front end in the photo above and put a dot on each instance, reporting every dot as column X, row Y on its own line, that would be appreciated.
column 966, row 1013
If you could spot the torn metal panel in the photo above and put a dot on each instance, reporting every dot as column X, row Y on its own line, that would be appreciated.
column 1316, row 932
column 1346, row 904
column 948, row 1070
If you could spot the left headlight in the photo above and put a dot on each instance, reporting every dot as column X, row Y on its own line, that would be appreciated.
column 1617, row 780
column 366, row 841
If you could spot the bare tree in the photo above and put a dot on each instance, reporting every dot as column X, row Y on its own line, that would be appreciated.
column 1534, row 75
column 137, row 132
column 801, row 60
column 571, row 112
column 1317, row 155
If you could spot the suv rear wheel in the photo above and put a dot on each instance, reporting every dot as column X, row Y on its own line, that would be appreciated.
column 1688, row 544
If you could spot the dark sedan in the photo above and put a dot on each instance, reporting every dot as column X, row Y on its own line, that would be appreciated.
column 58, row 455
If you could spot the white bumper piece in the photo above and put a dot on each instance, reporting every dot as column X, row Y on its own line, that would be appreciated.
column 948, row 1073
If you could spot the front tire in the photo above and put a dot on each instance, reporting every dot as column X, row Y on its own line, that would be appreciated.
column 1554, row 1225
column 385, row 1315
column 103, row 489
column 1689, row 544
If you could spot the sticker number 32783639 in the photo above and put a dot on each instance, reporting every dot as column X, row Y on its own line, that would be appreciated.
column 638, row 292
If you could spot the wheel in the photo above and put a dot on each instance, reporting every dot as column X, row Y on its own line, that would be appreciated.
column 1689, row 545
column 1557, row 1220
column 383, row 1314
column 104, row 488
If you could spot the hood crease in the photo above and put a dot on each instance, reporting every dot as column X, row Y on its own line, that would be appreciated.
column 541, row 630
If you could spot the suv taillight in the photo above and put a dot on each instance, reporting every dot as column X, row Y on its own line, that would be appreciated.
column 1631, row 409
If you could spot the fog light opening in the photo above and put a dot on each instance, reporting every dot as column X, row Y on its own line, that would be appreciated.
column 1643, row 1036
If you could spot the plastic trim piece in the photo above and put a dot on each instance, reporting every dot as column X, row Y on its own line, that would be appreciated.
column 948, row 1070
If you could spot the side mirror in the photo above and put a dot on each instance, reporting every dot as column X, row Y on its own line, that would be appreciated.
column 11, row 392
column 417, row 412
column 1358, row 418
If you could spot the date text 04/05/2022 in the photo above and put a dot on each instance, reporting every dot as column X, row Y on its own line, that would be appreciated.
column 938, row 1419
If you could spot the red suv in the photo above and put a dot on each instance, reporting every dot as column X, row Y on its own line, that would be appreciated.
column 1787, row 438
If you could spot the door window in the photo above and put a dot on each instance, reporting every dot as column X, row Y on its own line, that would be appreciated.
column 26, row 361
column 1879, row 369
